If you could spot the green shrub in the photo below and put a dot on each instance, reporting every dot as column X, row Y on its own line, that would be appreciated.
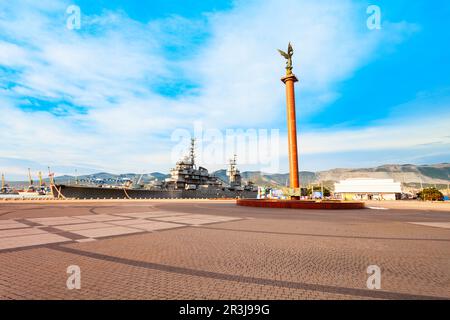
column 430, row 194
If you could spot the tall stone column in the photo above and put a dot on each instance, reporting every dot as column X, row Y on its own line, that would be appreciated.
column 289, row 80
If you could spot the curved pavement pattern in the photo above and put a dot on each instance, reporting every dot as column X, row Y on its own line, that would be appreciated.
column 216, row 250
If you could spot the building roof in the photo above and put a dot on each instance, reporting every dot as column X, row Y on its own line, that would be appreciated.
column 365, row 185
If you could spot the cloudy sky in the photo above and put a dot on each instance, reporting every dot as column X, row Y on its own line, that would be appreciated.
column 113, row 94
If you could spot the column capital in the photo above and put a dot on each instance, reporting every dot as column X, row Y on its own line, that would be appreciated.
column 290, row 77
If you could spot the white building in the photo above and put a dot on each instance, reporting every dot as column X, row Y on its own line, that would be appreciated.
column 367, row 189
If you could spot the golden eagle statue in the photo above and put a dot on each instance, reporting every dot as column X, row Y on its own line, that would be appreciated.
column 288, row 57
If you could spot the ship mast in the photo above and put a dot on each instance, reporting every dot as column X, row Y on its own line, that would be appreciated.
column 192, row 153
column 232, row 168
column 51, row 177
column 3, row 181
column 233, row 173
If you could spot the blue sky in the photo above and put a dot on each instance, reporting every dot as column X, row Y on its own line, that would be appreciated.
column 110, row 95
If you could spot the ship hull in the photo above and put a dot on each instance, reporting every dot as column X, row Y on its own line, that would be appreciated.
column 85, row 192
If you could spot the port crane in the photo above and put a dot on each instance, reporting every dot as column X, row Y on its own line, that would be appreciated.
column 30, row 180
column 41, row 181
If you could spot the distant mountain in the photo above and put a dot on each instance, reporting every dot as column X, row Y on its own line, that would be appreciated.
column 143, row 177
column 408, row 173
column 279, row 179
column 159, row 176
column 221, row 174
column 262, row 178
column 105, row 176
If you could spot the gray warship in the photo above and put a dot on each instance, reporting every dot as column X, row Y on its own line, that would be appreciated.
column 186, row 181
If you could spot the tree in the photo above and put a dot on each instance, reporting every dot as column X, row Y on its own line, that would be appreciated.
column 430, row 194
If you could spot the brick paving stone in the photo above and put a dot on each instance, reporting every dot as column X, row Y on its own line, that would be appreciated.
column 151, row 214
column 101, row 217
column 445, row 225
column 193, row 221
column 57, row 221
column 152, row 226
column 127, row 222
column 170, row 218
column 276, row 254
column 7, row 222
column 12, row 225
column 30, row 240
column 84, row 226
column 105, row 232
column 20, row 232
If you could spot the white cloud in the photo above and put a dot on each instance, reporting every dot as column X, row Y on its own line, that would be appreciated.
column 400, row 135
column 242, row 69
column 112, row 66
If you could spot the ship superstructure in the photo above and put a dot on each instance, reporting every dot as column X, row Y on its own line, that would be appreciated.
column 186, row 175
column 234, row 175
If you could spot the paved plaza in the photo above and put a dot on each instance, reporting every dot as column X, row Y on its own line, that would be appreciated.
column 206, row 249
